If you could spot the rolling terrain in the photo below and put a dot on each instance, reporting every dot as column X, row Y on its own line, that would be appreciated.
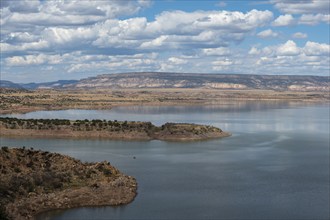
column 186, row 80
column 34, row 181
column 107, row 91
column 211, row 81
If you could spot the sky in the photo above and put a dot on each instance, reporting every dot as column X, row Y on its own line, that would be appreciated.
column 48, row 40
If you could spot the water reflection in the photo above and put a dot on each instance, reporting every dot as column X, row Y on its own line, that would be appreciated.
column 219, row 107
column 275, row 166
column 230, row 116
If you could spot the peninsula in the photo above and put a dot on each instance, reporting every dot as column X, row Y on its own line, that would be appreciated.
column 117, row 130
column 34, row 181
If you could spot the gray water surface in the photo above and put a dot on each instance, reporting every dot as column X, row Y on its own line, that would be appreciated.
column 275, row 166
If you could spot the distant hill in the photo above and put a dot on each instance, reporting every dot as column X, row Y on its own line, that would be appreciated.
column 49, row 85
column 186, row 80
column 9, row 84
column 214, row 81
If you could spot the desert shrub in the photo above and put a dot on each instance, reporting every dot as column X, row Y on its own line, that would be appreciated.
column 44, row 153
column 56, row 183
column 5, row 149
column 3, row 214
column 30, row 187
column 37, row 178
column 89, row 173
column 16, row 182
column 3, row 190
column 107, row 172
column 46, row 178
column 30, row 164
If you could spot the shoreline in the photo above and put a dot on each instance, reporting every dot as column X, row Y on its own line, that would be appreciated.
column 169, row 104
column 42, row 100
column 97, row 129
column 84, row 137
column 104, row 195
column 72, row 183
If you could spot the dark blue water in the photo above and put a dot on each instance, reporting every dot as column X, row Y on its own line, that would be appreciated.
column 275, row 166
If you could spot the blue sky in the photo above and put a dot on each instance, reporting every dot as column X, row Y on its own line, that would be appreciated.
column 52, row 40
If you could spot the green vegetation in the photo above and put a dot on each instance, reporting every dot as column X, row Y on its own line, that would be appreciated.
column 98, row 125
column 77, row 125
column 108, row 129
column 3, row 214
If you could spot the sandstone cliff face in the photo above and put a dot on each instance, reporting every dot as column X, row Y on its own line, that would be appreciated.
column 307, row 87
column 211, row 81
column 186, row 80
column 225, row 86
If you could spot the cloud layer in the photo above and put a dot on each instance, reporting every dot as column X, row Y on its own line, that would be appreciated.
column 85, row 38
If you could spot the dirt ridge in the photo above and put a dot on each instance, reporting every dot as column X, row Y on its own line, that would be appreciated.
column 120, row 130
column 34, row 181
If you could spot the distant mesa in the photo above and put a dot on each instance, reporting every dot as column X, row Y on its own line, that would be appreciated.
column 31, row 86
column 189, row 80
column 49, row 85
column 9, row 84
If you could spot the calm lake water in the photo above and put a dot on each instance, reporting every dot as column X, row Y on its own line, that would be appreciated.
column 275, row 166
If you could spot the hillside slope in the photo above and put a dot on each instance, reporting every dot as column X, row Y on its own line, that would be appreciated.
column 33, row 181
column 185, row 80
column 213, row 81
column 9, row 84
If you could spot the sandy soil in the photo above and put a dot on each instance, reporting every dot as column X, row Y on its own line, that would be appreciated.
column 15, row 101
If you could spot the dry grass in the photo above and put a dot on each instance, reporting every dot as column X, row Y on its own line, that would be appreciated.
column 12, row 101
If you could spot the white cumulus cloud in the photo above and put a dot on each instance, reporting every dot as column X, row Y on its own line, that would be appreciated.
column 284, row 20
column 89, row 37
column 267, row 33
column 288, row 49
column 313, row 19
column 45, row 13
column 220, row 51
column 302, row 6
column 179, row 29
column 288, row 58
column 316, row 49
column 33, row 60
column 299, row 35
column 30, row 46
column 176, row 60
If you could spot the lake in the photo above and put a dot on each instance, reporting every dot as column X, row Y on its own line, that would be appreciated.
column 274, row 166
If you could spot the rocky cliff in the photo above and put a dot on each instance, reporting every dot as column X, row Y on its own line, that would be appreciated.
column 212, row 81
column 187, row 80
column 33, row 181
